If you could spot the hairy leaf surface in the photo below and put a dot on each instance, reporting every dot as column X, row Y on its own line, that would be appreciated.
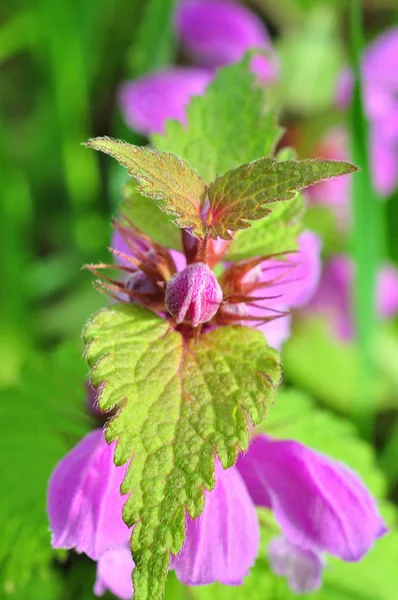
column 242, row 194
column 148, row 217
column 162, row 176
column 277, row 233
column 227, row 126
column 178, row 406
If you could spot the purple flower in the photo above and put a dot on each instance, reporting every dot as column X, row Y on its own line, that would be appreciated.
column 380, row 81
column 336, row 192
column 335, row 295
column 333, row 513
column 279, row 286
column 85, row 512
column 269, row 287
column 114, row 569
column 218, row 32
column 84, row 497
column 302, row 568
column 320, row 505
column 148, row 102
column 193, row 295
column 215, row 33
column 222, row 544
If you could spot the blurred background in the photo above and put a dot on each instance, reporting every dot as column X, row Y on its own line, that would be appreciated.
column 62, row 63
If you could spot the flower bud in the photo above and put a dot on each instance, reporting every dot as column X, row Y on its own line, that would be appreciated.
column 141, row 283
column 193, row 295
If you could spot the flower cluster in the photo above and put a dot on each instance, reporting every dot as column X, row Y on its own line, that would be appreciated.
column 181, row 287
column 319, row 504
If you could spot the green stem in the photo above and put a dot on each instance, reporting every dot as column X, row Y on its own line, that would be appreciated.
column 367, row 234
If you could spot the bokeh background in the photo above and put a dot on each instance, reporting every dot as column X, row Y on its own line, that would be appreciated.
column 62, row 63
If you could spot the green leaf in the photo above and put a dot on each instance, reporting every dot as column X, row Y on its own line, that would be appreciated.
column 149, row 218
column 240, row 195
column 162, row 176
column 277, row 233
column 329, row 368
column 177, row 405
column 43, row 418
column 213, row 141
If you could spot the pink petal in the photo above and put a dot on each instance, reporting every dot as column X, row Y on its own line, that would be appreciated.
column 222, row 544
column 114, row 570
column 147, row 103
column 84, row 502
column 218, row 32
column 319, row 503
column 302, row 568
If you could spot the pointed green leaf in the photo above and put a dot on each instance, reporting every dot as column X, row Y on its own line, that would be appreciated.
column 162, row 176
column 277, row 233
column 241, row 194
column 213, row 140
column 177, row 406
column 148, row 217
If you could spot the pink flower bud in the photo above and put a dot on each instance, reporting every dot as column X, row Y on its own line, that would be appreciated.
column 141, row 283
column 193, row 295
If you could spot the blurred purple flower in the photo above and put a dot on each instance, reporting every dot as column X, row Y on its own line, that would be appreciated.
column 335, row 295
column 219, row 32
column 215, row 33
column 222, row 544
column 380, row 81
column 85, row 512
column 320, row 505
column 336, row 192
column 333, row 513
column 287, row 284
column 148, row 102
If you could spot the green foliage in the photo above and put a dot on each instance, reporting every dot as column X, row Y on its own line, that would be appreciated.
column 235, row 198
column 147, row 216
column 240, row 195
column 42, row 418
column 162, row 176
column 178, row 405
column 277, row 233
column 214, row 140
column 368, row 230
column 312, row 58
column 157, row 24
column 330, row 369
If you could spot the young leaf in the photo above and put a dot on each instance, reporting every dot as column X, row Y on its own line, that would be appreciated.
column 240, row 195
column 178, row 405
column 213, row 141
column 162, row 176
column 147, row 216
column 277, row 233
